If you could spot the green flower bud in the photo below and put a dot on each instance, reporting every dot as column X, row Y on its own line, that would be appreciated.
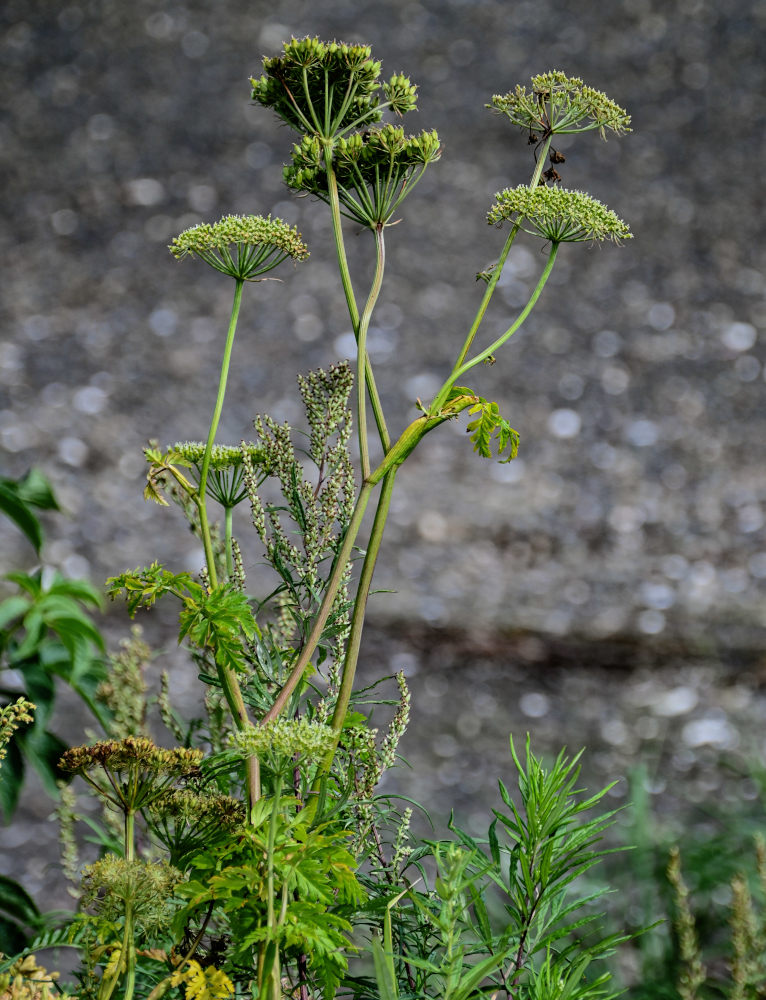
column 558, row 215
column 260, row 245
column 559, row 104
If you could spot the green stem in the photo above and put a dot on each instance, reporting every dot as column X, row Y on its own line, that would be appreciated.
column 355, row 634
column 229, row 683
column 274, row 972
column 345, row 277
column 498, row 269
column 202, row 498
column 457, row 373
column 331, row 592
column 228, row 515
column 488, row 293
column 364, row 324
column 360, row 604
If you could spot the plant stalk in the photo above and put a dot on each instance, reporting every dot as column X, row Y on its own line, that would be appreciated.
column 345, row 277
column 227, row 677
column 457, row 373
column 333, row 584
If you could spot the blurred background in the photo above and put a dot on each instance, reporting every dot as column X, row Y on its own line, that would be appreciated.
column 608, row 588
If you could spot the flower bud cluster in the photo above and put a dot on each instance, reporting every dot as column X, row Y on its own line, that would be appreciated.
column 261, row 244
column 374, row 170
column 286, row 738
column 560, row 104
column 558, row 215
column 327, row 88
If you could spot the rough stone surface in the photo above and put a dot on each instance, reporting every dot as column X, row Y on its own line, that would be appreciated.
column 636, row 506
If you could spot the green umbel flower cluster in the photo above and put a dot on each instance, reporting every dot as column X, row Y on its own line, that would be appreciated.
column 561, row 104
column 375, row 170
column 328, row 88
column 558, row 215
column 111, row 882
column 260, row 245
column 222, row 456
column 286, row 738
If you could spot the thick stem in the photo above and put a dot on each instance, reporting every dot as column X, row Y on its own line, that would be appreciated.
column 273, row 990
column 355, row 635
column 360, row 604
column 227, row 677
column 331, row 592
column 202, row 498
column 345, row 277
column 361, row 367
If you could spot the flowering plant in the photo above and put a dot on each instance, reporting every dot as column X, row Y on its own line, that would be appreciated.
column 257, row 858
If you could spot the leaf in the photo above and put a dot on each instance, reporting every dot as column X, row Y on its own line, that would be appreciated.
column 488, row 425
column 17, row 509
column 16, row 902
column 11, row 779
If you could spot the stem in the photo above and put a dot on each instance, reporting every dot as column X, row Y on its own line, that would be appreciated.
column 361, row 366
column 360, row 604
column 498, row 269
column 202, row 499
column 443, row 393
column 227, row 677
column 274, row 972
column 345, row 277
column 355, row 634
column 333, row 585
column 228, row 515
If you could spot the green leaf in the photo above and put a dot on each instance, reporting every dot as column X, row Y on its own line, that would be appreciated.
column 11, row 608
column 11, row 778
column 488, row 425
column 35, row 490
column 16, row 902
column 17, row 509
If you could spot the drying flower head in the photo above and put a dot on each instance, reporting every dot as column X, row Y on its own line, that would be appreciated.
column 561, row 104
column 188, row 806
column 375, row 170
column 328, row 88
column 132, row 752
column 558, row 215
column 136, row 771
column 242, row 246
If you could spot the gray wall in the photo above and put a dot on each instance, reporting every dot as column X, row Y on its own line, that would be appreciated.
column 127, row 122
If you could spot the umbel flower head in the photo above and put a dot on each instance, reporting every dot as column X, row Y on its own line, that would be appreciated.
column 561, row 104
column 225, row 482
column 286, row 738
column 375, row 170
column 136, row 770
column 329, row 88
column 111, row 882
column 242, row 246
column 558, row 215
